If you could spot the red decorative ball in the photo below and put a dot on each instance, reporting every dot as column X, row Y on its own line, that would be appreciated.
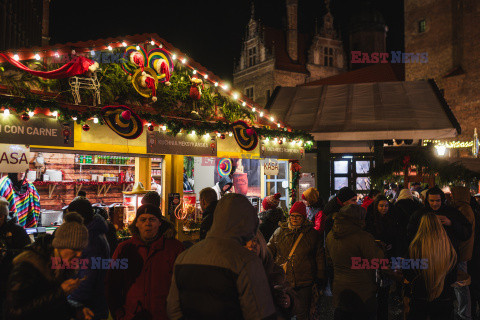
column 86, row 127
column 126, row 115
column 250, row 132
column 222, row 136
column 25, row 117
column 150, row 128
column 280, row 141
column 223, row 166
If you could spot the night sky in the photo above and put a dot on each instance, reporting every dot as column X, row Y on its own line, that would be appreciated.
column 208, row 31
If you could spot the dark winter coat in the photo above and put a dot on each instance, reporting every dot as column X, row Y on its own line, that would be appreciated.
column 474, row 263
column 461, row 198
column 142, row 288
column 385, row 229
column 459, row 231
column 307, row 263
column 403, row 210
column 207, row 219
column 269, row 221
column 33, row 290
column 112, row 238
column 218, row 278
column 353, row 289
column 91, row 291
column 332, row 206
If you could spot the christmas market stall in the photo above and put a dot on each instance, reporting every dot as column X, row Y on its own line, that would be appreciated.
column 119, row 117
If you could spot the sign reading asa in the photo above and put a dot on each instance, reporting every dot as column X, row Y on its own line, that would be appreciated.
column 270, row 168
column 14, row 158
column 183, row 144
column 39, row 130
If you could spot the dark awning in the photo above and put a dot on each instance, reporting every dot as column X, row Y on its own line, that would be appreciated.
column 367, row 111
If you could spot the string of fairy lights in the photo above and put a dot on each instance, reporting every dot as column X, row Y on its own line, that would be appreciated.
column 29, row 54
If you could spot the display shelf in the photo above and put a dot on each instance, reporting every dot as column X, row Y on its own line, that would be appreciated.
column 104, row 164
column 102, row 187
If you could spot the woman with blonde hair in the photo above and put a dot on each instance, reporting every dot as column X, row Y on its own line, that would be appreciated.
column 431, row 272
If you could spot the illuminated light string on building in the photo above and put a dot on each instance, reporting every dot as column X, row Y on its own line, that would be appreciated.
column 450, row 144
column 19, row 55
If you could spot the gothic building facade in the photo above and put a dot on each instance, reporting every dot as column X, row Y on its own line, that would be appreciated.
column 273, row 57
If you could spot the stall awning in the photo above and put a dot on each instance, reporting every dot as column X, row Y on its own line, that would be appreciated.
column 367, row 111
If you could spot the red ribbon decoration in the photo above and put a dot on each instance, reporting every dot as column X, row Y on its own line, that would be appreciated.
column 76, row 66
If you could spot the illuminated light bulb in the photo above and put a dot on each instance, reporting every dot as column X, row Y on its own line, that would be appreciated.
column 184, row 60
column 278, row 125
column 160, row 45
column 267, row 139
column 254, row 109
column 218, row 134
column 275, row 140
column 206, row 76
column 216, row 84
column 261, row 114
column 31, row 113
column 124, row 44
column 272, row 119
column 95, row 120
column 55, row 113
column 230, row 134
column 193, row 132
column 244, row 103
column 206, row 136
column 174, row 56
column 225, row 86
column 137, row 48
column 6, row 112
column 110, row 47
column 56, row 54
column 152, row 42
column 92, row 53
column 164, row 128
column 37, row 56
column 235, row 96
column 194, row 71
column 284, row 139
column 74, row 118
column 149, row 124
column 16, row 57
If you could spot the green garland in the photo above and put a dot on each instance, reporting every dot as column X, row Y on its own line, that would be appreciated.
column 173, row 108
column 427, row 162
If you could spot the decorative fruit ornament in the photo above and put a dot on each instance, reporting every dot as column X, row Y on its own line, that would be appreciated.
column 25, row 117
column 86, row 127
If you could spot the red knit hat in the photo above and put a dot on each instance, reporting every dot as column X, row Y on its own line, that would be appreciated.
column 299, row 207
column 271, row 202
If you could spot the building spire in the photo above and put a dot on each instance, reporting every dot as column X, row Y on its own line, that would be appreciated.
column 327, row 5
column 252, row 10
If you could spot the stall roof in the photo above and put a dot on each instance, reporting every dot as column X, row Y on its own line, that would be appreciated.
column 367, row 111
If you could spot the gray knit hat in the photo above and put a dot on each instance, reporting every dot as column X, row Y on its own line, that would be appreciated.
column 72, row 234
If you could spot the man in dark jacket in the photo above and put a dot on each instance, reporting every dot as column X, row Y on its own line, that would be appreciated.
column 91, row 291
column 218, row 278
column 456, row 225
column 344, row 197
column 272, row 215
column 208, row 203
column 404, row 208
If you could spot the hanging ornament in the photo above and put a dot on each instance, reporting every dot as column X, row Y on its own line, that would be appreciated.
column 246, row 139
column 25, row 117
column 151, row 127
column 222, row 136
column 146, row 82
column 123, row 121
column 86, row 127
column 67, row 132
column 134, row 59
column 126, row 115
column 195, row 90
column 280, row 141
column 161, row 61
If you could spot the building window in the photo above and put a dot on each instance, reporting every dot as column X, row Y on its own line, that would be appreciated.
column 249, row 92
column 268, row 94
column 252, row 56
column 422, row 26
column 279, row 183
column 328, row 57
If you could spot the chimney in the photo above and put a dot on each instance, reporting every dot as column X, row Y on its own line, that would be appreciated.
column 292, row 31
column 45, row 22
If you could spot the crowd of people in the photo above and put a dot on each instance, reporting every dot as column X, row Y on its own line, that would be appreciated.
column 419, row 246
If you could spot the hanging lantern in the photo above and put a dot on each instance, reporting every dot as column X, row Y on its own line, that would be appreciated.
column 86, row 127
column 25, row 117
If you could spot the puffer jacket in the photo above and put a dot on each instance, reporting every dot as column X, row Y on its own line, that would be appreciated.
column 269, row 221
column 218, row 278
column 141, row 289
column 461, row 201
column 307, row 263
column 353, row 289
column 91, row 291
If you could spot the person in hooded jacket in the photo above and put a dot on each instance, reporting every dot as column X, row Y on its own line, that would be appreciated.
column 354, row 287
column 457, row 226
column 315, row 209
column 208, row 203
column 403, row 209
column 307, row 263
column 218, row 278
column 271, row 217
column 344, row 197
column 91, row 291
column 223, row 186
column 461, row 202
column 140, row 290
